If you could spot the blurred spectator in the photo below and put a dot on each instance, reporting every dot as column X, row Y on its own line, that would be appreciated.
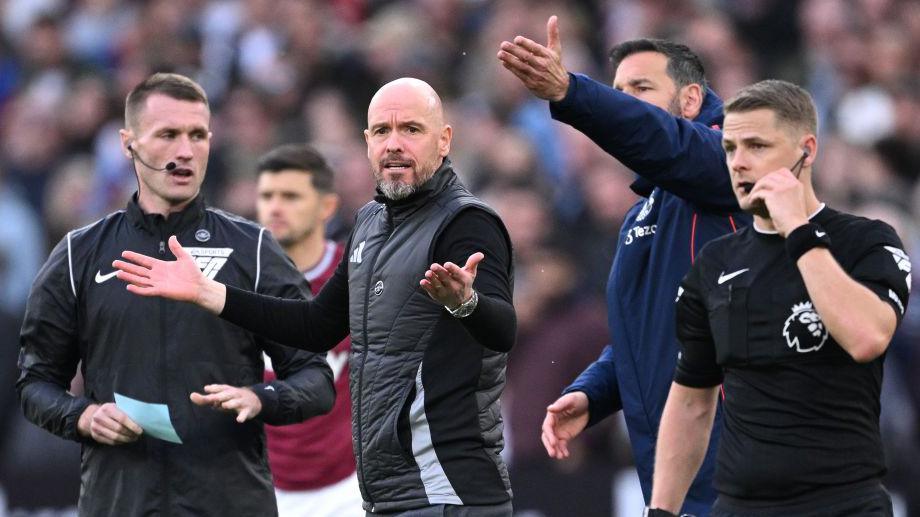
column 559, row 331
column 22, row 251
column 32, row 143
column 303, row 70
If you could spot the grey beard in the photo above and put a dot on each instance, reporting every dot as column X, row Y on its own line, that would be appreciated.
column 396, row 190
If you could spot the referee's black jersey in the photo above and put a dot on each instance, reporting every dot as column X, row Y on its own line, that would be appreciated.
column 800, row 414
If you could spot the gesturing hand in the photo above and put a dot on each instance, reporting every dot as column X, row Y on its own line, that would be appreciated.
column 565, row 419
column 177, row 280
column 243, row 401
column 450, row 285
column 538, row 67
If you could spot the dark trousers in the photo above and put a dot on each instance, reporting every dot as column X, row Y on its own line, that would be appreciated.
column 453, row 510
column 874, row 503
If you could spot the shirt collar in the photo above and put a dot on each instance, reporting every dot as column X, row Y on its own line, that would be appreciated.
column 158, row 225
column 774, row 232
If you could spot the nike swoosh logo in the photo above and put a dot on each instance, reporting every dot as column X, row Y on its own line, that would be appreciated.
column 102, row 278
column 820, row 234
column 725, row 278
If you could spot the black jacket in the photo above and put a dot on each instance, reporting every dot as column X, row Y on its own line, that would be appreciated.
column 160, row 351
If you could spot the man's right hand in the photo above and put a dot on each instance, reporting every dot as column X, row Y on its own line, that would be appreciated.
column 179, row 279
column 538, row 67
column 107, row 424
column 565, row 419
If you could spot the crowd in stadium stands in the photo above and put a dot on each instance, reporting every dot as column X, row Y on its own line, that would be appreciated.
column 279, row 71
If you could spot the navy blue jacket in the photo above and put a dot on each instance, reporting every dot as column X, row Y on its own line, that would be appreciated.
column 687, row 201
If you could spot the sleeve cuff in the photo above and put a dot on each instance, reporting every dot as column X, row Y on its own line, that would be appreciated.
column 595, row 414
column 566, row 102
column 889, row 296
column 698, row 379
column 72, row 421
column 269, row 397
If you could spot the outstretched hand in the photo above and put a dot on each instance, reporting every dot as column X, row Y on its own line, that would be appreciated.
column 565, row 419
column 538, row 67
column 243, row 401
column 451, row 285
column 180, row 279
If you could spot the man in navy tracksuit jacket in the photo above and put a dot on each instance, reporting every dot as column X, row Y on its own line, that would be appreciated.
column 686, row 201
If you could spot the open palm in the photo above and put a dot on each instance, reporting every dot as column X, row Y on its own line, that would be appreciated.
column 177, row 280
column 565, row 419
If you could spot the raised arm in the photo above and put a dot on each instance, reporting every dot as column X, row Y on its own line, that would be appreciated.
column 681, row 156
column 316, row 325
column 861, row 309
column 678, row 155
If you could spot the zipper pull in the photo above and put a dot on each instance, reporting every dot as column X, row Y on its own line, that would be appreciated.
column 162, row 247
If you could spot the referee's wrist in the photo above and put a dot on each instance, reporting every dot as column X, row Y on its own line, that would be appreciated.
column 804, row 239
column 657, row 512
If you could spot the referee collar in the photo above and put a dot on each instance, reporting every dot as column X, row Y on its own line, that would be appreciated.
column 158, row 225
column 774, row 232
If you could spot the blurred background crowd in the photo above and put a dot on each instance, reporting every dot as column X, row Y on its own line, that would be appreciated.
column 279, row 71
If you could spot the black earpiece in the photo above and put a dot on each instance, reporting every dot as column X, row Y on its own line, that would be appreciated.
column 797, row 168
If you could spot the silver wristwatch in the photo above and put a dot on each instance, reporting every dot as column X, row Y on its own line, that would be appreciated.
column 466, row 308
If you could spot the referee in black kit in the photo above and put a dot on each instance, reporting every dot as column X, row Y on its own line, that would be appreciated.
column 792, row 316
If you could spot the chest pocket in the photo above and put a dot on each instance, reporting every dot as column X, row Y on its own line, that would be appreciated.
column 728, row 321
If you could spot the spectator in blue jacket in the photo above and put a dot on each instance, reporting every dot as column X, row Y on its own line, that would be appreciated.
column 661, row 121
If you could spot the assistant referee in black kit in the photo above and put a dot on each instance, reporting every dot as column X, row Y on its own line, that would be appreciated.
column 792, row 316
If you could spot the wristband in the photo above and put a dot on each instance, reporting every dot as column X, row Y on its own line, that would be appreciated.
column 657, row 512
column 804, row 238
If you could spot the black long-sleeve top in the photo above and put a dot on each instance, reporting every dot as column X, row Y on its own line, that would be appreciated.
column 318, row 325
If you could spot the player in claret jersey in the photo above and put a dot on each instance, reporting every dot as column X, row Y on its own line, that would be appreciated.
column 312, row 463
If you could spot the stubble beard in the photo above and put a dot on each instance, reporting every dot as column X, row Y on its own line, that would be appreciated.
column 674, row 106
column 292, row 239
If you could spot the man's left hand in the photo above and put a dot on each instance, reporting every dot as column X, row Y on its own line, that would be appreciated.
column 784, row 197
column 449, row 284
column 242, row 401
